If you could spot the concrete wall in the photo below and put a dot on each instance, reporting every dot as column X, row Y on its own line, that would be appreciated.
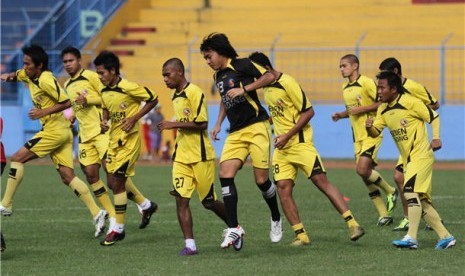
column 333, row 140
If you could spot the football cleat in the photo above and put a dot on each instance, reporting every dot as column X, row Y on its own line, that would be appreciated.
column 299, row 242
column 356, row 232
column 5, row 211
column 99, row 222
column 391, row 202
column 406, row 242
column 3, row 244
column 147, row 214
column 446, row 243
column 383, row 221
column 186, row 251
column 403, row 225
column 233, row 237
column 276, row 232
column 112, row 238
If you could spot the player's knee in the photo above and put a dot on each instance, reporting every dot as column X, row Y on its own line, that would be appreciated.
column 363, row 172
column 208, row 204
column 399, row 179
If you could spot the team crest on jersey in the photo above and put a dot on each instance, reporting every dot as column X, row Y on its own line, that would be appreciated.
column 123, row 106
column 186, row 111
column 39, row 98
column 359, row 97
column 403, row 122
column 280, row 102
column 231, row 83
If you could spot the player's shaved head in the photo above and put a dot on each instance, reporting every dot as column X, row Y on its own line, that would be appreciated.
column 176, row 63
column 351, row 58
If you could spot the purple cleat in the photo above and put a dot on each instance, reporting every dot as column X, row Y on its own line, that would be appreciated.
column 186, row 251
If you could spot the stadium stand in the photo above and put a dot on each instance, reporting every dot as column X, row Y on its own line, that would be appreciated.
column 322, row 30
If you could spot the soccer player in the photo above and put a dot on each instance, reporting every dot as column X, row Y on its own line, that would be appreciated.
column 194, row 156
column 359, row 95
column 291, row 112
column 55, row 138
column 121, row 101
column 83, row 88
column 237, row 80
column 418, row 91
column 405, row 116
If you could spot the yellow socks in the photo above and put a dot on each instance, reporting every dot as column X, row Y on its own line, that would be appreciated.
column 121, row 201
column 302, row 237
column 375, row 196
column 83, row 192
column 133, row 193
column 432, row 217
column 101, row 193
column 14, row 179
column 349, row 218
column 414, row 213
column 379, row 181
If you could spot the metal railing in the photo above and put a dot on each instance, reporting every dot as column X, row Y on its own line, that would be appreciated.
column 66, row 24
column 439, row 68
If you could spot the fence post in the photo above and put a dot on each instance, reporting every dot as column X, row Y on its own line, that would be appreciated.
column 357, row 44
column 273, row 46
column 189, row 58
column 442, row 81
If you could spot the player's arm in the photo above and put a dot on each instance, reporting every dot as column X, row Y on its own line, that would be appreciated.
column 264, row 80
column 281, row 140
column 216, row 129
column 375, row 127
column 364, row 109
column 36, row 113
column 184, row 125
column 129, row 122
column 340, row 115
column 10, row 77
column 430, row 116
column 86, row 99
column 104, row 123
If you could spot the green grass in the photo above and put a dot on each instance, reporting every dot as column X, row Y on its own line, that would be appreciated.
column 51, row 233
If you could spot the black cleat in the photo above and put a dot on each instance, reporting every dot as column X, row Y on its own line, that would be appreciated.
column 147, row 214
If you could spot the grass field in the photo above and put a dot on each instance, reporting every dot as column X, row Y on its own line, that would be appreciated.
column 51, row 233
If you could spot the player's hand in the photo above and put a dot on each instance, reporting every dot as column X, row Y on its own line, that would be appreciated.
column 5, row 76
column 81, row 98
column 35, row 113
column 280, row 141
column 336, row 116
column 355, row 110
column 436, row 144
column 214, row 132
column 235, row 92
column 104, row 126
column 369, row 122
column 128, row 124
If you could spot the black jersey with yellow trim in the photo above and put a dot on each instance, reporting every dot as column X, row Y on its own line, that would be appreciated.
column 247, row 109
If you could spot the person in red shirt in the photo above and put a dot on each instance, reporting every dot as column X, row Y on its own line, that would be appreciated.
column 3, row 162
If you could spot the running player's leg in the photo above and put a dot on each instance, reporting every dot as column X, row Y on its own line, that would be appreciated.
column 364, row 169
column 15, row 178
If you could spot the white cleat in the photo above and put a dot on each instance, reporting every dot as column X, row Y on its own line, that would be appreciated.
column 99, row 222
column 233, row 236
column 276, row 232
column 5, row 211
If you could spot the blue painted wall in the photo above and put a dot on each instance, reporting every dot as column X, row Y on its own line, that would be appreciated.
column 333, row 140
